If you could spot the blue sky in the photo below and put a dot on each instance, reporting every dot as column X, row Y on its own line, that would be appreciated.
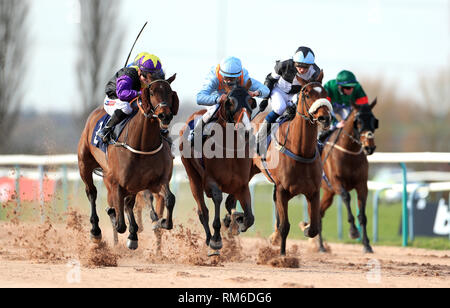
column 398, row 40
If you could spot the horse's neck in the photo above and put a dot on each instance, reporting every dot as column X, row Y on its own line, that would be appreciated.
column 344, row 140
column 144, row 134
column 302, row 137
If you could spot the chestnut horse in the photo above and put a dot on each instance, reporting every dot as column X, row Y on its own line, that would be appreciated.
column 347, row 168
column 218, row 173
column 299, row 168
column 141, row 159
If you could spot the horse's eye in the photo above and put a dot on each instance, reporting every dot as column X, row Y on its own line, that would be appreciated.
column 151, row 93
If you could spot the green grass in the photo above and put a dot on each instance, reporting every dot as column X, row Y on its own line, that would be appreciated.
column 186, row 212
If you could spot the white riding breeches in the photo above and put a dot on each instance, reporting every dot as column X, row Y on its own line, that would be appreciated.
column 280, row 100
column 211, row 110
column 112, row 105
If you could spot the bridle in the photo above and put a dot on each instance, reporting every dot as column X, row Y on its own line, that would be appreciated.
column 305, row 107
column 153, row 110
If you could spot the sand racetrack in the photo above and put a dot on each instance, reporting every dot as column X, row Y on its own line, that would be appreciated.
column 47, row 256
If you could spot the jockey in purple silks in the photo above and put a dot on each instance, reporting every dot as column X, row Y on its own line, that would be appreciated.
column 125, row 86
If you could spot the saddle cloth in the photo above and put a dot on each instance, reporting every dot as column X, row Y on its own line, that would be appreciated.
column 117, row 130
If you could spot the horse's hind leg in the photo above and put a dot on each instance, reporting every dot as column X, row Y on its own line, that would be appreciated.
column 86, row 167
column 275, row 237
column 230, row 205
column 314, row 215
column 169, row 201
column 346, row 198
column 327, row 200
column 132, row 242
column 282, row 198
column 248, row 220
column 362, row 198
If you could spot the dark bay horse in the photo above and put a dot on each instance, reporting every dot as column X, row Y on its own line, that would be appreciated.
column 347, row 168
column 140, row 160
column 220, row 172
column 299, row 168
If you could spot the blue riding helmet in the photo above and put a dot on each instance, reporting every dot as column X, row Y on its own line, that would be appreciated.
column 304, row 55
column 230, row 67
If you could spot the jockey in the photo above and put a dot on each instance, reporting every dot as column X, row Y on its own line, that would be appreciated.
column 342, row 93
column 125, row 86
column 229, row 72
column 284, row 85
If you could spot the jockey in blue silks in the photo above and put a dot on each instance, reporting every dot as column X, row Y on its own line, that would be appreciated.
column 212, row 94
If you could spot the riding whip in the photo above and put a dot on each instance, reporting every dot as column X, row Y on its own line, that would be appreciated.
column 126, row 63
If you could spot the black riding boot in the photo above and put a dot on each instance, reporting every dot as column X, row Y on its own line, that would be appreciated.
column 261, row 138
column 117, row 117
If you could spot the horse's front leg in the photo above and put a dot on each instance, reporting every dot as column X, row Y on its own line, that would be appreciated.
column 362, row 198
column 216, row 194
column 346, row 198
column 132, row 242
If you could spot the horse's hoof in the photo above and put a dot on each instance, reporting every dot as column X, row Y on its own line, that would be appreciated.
column 368, row 249
column 310, row 233
column 303, row 225
column 275, row 239
column 354, row 234
column 213, row 253
column 96, row 238
column 322, row 250
column 215, row 245
column 132, row 245
column 164, row 223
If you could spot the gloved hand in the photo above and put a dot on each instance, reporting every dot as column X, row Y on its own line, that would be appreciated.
column 263, row 104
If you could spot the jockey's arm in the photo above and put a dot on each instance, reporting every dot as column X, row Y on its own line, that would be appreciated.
column 124, row 89
column 208, row 95
column 259, row 87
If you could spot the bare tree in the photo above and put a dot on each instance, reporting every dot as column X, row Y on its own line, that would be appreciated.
column 435, row 111
column 13, row 48
column 100, row 42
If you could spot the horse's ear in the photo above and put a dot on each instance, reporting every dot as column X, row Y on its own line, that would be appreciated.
column 373, row 103
column 248, row 84
column 171, row 79
column 320, row 77
column 175, row 103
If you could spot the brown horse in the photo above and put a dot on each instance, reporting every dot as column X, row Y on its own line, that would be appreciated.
column 141, row 159
column 347, row 168
column 219, row 173
column 295, row 167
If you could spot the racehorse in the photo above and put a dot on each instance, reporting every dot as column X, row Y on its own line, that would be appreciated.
column 141, row 159
column 215, row 174
column 347, row 168
column 299, row 168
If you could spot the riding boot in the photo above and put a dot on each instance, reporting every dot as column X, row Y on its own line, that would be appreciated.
column 117, row 117
column 261, row 137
